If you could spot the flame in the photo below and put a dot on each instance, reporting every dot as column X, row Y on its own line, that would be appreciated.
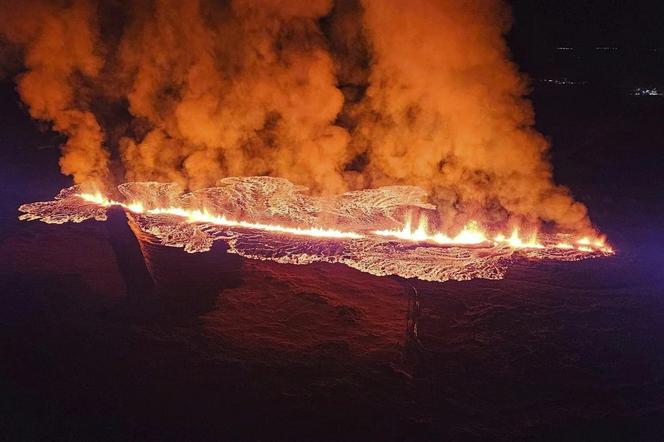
column 204, row 216
column 98, row 199
column 586, row 244
column 516, row 242
column 471, row 234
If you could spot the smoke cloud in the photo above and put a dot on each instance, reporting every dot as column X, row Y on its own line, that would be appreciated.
column 334, row 95
column 445, row 110
column 59, row 43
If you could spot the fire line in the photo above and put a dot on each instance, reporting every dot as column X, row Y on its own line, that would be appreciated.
column 471, row 234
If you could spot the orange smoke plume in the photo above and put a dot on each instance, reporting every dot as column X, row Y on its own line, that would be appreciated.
column 58, row 41
column 445, row 110
column 333, row 95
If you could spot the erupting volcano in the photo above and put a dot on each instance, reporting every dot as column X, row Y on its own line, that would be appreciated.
column 272, row 219
column 328, row 95
column 331, row 96
column 342, row 219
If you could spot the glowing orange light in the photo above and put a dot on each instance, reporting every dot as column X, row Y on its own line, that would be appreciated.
column 471, row 234
column 516, row 242
column 204, row 216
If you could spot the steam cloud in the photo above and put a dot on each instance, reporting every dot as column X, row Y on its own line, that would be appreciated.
column 334, row 95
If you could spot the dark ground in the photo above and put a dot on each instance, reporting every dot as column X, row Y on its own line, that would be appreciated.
column 571, row 351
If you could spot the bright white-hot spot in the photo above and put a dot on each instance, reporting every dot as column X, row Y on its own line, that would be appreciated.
column 204, row 216
column 471, row 234
column 589, row 244
column 516, row 242
column 99, row 199
column 279, row 219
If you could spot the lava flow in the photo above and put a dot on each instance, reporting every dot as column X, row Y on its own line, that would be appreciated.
column 471, row 234
column 204, row 216
column 269, row 218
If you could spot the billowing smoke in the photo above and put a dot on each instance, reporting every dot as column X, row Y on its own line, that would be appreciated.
column 334, row 95
column 59, row 41
column 244, row 88
column 445, row 110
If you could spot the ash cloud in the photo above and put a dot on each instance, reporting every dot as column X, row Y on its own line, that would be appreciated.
column 334, row 95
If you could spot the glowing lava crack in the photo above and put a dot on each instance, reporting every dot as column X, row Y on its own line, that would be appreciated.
column 374, row 231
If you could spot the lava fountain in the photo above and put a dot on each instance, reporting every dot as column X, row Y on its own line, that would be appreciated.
column 382, row 231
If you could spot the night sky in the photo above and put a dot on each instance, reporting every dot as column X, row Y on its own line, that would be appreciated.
column 616, row 42
column 589, row 24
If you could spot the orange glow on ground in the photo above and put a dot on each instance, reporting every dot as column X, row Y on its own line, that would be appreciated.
column 471, row 234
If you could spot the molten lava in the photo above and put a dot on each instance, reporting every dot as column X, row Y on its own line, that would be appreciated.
column 375, row 230
column 204, row 216
column 471, row 233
